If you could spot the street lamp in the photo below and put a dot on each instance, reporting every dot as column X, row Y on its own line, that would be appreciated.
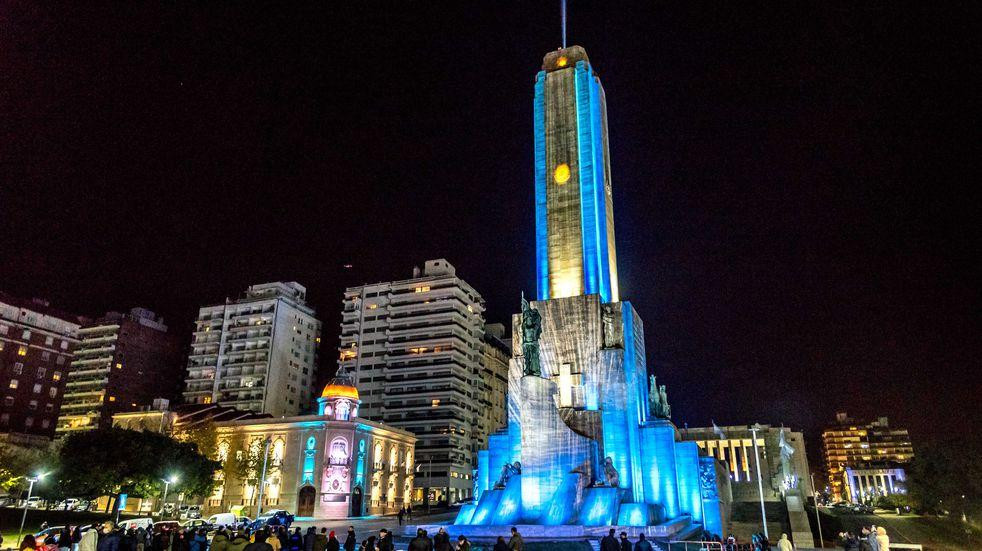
column 167, row 482
column 818, row 519
column 30, row 489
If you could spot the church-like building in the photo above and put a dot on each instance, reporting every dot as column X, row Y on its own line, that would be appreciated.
column 327, row 466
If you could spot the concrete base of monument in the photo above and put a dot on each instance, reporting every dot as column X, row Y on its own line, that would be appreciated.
column 673, row 529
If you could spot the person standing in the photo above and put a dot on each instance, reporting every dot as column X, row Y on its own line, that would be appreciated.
column 463, row 544
column 873, row 544
column 308, row 539
column 385, row 541
column 642, row 544
column 882, row 539
column 350, row 542
column 609, row 542
column 320, row 542
column 516, row 543
column 401, row 514
column 500, row 545
column 625, row 543
column 419, row 542
column 332, row 543
column 784, row 544
column 441, row 541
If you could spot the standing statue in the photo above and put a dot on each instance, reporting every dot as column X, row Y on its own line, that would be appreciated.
column 607, row 319
column 658, row 399
column 610, row 473
column 531, row 330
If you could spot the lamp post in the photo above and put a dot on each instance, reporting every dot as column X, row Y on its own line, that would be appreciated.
column 167, row 482
column 262, row 478
column 30, row 490
column 818, row 518
column 760, row 484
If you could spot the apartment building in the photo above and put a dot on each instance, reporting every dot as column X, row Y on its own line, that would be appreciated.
column 258, row 352
column 492, row 415
column 849, row 445
column 416, row 347
column 122, row 363
column 36, row 346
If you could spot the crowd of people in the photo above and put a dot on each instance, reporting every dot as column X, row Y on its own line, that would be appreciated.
column 870, row 538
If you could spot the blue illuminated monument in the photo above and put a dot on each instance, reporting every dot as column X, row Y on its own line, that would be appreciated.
column 589, row 443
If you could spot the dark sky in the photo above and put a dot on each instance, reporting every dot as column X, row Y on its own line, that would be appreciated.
column 795, row 184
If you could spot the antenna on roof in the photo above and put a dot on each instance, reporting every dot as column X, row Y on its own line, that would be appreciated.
column 562, row 10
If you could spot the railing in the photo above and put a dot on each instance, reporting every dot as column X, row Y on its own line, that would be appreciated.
column 695, row 545
column 916, row 546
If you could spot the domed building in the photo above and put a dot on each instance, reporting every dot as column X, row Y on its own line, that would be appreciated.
column 331, row 465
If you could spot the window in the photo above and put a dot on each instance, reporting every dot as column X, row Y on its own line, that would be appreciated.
column 8, row 401
column 48, row 408
column 422, row 289
column 13, row 383
column 28, row 421
column 60, row 360
column 37, row 388
column 1, row 346
column 53, row 391
column 3, row 329
column 26, row 335
column 22, row 351
column 49, row 340
column 119, row 365
column 18, row 368
column 56, row 376
column 45, row 423
column 112, row 398
column 32, row 405
column 64, row 345
column 45, row 356
column 4, row 419
column 40, row 373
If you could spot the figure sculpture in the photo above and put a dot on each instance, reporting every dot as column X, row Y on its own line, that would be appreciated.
column 658, row 399
column 531, row 330
column 610, row 473
column 607, row 320
column 707, row 480
column 508, row 470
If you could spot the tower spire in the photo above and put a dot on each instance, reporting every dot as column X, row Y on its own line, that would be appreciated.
column 562, row 10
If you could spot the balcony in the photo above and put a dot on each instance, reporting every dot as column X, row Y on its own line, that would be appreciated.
column 99, row 350
column 79, row 373
column 74, row 382
column 71, row 396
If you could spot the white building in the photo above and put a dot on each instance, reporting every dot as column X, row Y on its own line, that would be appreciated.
column 416, row 348
column 257, row 352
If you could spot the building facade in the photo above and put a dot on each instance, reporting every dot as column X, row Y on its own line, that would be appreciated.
column 258, row 352
column 416, row 348
column 122, row 363
column 491, row 415
column 784, row 472
column 328, row 466
column 36, row 346
column 862, row 446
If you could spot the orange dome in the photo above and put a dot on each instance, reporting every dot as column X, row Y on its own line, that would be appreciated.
column 340, row 387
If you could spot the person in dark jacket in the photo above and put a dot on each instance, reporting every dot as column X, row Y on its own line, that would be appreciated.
column 260, row 543
column 419, row 543
column 110, row 541
column 500, row 545
column 320, row 542
column 350, row 542
column 238, row 542
column 368, row 544
column 332, row 542
column 295, row 543
column 441, row 541
column 609, row 542
column 643, row 544
column 625, row 543
column 384, row 542
column 309, row 538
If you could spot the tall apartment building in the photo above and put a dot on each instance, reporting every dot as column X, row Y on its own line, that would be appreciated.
column 122, row 363
column 36, row 345
column 258, row 352
column 416, row 347
column 494, row 385
column 851, row 446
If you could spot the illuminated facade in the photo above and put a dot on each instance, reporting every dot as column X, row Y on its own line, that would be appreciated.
column 861, row 447
column 416, row 349
column 327, row 466
column 588, row 442
column 258, row 352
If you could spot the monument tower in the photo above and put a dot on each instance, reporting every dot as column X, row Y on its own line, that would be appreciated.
column 589, row 442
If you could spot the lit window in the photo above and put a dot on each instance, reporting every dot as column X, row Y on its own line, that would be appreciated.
column 561, row 175
column 22, row 351
column 56, row 376
column 423, row 289
column 372, row 306
column 435, row 403
column 112, row 398
column 206, row 400
column 13, row 383
column 562, row 61
column 119, row 365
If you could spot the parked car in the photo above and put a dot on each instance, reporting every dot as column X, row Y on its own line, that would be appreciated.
column 143, row 522
column 34, row 503
column 168, row 524
column 274, row 517
column 223, row 519
column 197, row 524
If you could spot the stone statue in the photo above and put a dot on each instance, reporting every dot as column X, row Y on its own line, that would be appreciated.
column 531, row 330
column 607, row 318
column 666, row 410
column 787, row 450
column 610, row 473
column 658, row 399
column 508, row 471
column 707, row 480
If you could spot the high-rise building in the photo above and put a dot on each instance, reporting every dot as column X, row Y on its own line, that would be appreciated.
column 257, row 352
column 122, row 363
column 864, row 448
column 36, row 345
column 491, row 415
column 416, row 348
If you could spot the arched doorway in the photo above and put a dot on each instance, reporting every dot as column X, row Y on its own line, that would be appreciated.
column 305, row 502
column 356, row 502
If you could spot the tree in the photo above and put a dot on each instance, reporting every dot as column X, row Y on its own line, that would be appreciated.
column 17, row 463
column 204, row 435
column 112, row 461
column 946, row 476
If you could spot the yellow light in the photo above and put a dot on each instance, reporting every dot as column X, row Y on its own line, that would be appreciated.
column 561, row 175
column 119, row 366
column 112, row 398
column 435, row 403
column 22, row 351
column 562, row 61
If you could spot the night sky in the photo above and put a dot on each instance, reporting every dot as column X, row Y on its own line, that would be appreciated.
column 795, row 184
